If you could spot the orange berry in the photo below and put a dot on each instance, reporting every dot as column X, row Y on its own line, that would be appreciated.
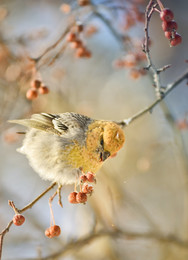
column 83, row 178
column 36, row 83
column 71, row 37
column 87, row 54
column 18, row 219
column 80, row 52
column 48, row 232
column 90, row 177
column 72, row 197
column 81, row 197
column 31, row 94
column 43, row 90
column 87, row 189
column 83, row 2
column 76, row 44
column 134, row 74
column 53, row 231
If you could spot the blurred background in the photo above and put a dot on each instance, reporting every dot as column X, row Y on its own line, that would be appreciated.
column 141, row 191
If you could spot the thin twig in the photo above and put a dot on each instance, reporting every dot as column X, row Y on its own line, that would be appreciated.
column 30, row 205
column 156, row 77
column 169, row 88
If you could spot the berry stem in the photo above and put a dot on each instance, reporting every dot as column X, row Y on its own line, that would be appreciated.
column 160, row 5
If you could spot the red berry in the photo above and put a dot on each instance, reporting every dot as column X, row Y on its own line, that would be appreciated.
column 176, row 40
column 81, row 197
column 169, row 26
column 168, row 35
column 166, row 15
column 18, row 219
column 83, row 178
column 53, row 231
column 90, row 177
column 72, row 197
column 43, row 90
column 31, row 94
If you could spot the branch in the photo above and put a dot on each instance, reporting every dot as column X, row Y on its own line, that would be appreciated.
column 156, row 77
column 30, row 205
column 168, row 89
column 116, row 233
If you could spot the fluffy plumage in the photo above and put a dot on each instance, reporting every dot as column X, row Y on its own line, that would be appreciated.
column 62, row 146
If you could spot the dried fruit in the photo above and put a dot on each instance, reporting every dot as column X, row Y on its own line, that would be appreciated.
column 32, row 94
column 81, row 197
column 18, row 219
column 72, row 197
column 166, row 15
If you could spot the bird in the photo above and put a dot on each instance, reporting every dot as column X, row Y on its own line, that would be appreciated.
column 61, row 147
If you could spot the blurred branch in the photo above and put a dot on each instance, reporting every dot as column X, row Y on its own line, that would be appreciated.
column 30, row 205
column 117, row 233
column 169, row 88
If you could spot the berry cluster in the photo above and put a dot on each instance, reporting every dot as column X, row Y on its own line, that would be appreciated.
column 81, row 197
column 76, row 43
column 170, row 27
column 132, row 61
column 36, row 88
column 53, row 231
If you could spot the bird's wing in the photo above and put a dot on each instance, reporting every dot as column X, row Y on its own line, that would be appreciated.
column 41, row 122
column 66, row 124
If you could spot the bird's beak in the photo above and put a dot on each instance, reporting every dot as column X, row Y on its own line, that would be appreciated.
column 104, row 155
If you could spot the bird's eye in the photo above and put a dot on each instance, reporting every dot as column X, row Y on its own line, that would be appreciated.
column 102, row 142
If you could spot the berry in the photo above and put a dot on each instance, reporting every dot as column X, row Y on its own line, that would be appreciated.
column 32, row 94
column 71, row 37
column 43, row 90
column 168, row 35
column 36, row 83
column 90, row 177
column 166, row 15
column 134, row 73
column 176, row 40
column 83, row 2
column 83, row 178
column 76, row 44
column 87, row 54
column 87, row 189
column 18, row 219
column 80, row 52
column 53, row 231
column 169, row 26
column 72, row 197
column 81, row 197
